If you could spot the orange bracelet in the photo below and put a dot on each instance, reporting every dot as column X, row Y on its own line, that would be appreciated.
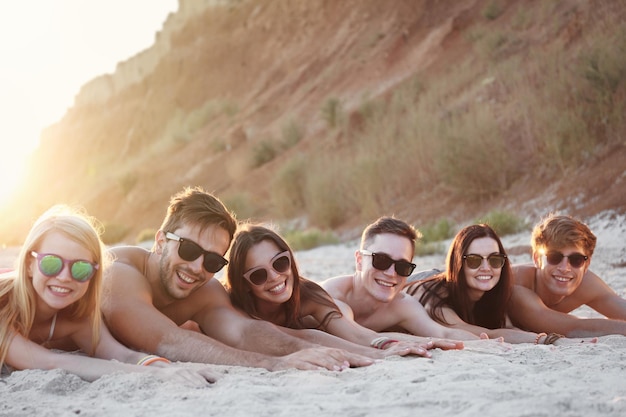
column 539, row 336
column 150, row 359
column 384, row 344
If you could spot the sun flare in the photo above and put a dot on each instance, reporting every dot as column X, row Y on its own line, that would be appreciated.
column 49, row 50
column 12, row 170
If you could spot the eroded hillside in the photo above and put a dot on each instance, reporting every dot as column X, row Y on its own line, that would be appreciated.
column 224, row 77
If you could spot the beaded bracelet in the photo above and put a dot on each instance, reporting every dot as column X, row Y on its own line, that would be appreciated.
column 381, row 342
column 150, row 359
column 539, row 336
column 551, row 338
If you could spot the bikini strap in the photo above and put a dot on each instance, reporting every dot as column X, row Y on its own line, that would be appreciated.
column 52, row 326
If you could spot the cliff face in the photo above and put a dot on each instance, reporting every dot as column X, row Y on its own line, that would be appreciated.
column 133, row 71
column 223, row 75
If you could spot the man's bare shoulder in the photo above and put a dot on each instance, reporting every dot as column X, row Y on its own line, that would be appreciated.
column 338, row 287
column 524, row 275
column 124, row 278
column 133, row 256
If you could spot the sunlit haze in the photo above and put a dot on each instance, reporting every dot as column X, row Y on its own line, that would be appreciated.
column 48, row 50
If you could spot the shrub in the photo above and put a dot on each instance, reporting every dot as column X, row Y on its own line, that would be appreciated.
column 262, row 153
column 435, row 232
column 292, row 134
column 240, row 205
column 218, row 145
column 472, row 156
column 114, row 233
column 502, row 222
column 127, row 182
column 287, row 187
column 310, row 238
column 325, row 196
column 429, row 248
column 492, row 10
column 331, row 112
column 145, row 235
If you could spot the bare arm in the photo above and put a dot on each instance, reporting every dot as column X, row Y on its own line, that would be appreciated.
column 413, row 317
column 528, row 312
column 220, row 320
column 387, row 319
column 602, row 298
column 509, row 335
column 320, row 337
column 262, row 336
column 137, row 323
column 25, row 354
column 347, row 328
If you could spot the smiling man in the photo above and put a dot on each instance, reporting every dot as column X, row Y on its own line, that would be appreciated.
column 149, row 295
column 560, row 281
column 373, row 296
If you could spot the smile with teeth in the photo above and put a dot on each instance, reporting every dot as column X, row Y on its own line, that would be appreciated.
column 185, row 278
column 483, row 277
column 54, row 288
column 385, row 284
column 278, row 287
column 561, row 278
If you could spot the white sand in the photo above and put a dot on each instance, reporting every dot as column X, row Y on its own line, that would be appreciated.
column 484, row 379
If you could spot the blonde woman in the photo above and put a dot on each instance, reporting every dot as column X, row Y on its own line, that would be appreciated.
column 51, row 303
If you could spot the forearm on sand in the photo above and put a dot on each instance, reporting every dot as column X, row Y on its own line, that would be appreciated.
column 319, row 337
column 583, row 327
column 265, row 337
column 197, row 347
column 87, row 368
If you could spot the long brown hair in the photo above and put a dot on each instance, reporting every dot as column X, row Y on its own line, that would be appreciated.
column 239, row 288
column 450, row 288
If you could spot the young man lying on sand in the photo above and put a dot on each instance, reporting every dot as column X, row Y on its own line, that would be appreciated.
column 148, row 295
column 373, row 296
column 560, row 281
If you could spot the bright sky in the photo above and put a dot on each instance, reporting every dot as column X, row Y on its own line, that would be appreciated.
column 48, row 50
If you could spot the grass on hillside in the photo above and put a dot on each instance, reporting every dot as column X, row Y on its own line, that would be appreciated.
column 515, row 106
column 474, row 130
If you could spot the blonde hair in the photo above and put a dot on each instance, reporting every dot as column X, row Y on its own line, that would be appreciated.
column 17, row 294
column 559, row 231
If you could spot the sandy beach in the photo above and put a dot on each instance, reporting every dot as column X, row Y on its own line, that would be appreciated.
column 487, row 378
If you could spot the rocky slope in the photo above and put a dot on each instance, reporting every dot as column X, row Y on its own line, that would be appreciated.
column 223, row 75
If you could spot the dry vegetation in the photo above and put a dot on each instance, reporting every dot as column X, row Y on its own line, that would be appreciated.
column 329, row 114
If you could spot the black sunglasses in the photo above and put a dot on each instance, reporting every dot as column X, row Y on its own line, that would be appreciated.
column 279, row 263
column 382, row 262
column 495, row 260
column 576, row 260
column 188, row 250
